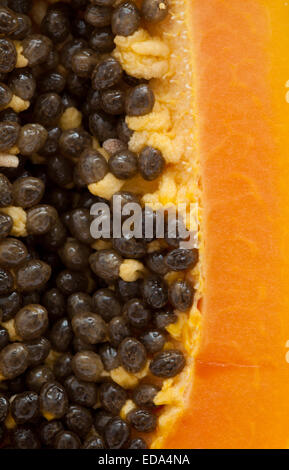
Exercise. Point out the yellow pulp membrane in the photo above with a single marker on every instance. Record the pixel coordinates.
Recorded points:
(163, 55)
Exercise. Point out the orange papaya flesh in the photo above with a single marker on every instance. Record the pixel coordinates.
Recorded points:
(239, 395)
(219, 71)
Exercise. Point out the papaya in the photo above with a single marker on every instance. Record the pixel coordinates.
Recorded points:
(233, 59)
(169, 103)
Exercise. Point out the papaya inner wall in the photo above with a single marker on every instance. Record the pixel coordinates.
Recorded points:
(240, 393)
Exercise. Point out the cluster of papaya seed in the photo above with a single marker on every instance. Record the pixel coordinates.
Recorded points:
(69, 314)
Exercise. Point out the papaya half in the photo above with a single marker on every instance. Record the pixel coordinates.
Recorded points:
(167, 103)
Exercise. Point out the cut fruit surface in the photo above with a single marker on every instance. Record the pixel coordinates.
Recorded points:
(118, 338)
(241, 381)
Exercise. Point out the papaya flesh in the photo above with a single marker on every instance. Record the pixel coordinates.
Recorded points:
(238, 395)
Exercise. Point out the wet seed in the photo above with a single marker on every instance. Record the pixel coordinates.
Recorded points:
(50, 146)
(31, 138)
(128, 290)
(53, 400)
(156, 263)
(123, 164)
(24, 438)
(79, 420)
(106, 264)
(139, 100)
(109, 356)
(116, 433)
(154, 10)
(10, 304)
(168, 363)
(77, 303)
(48, 109)
(71, 281)
(112, 397)
(13, 360)
(54, 239)
(106, 74)
(69, 49)
(38, 376)
(8, 55)
(6, 282)
(87, 366)
(155, 291)
(52, 82)
(130, 247)
(80, 392)
(9, 132)
(144, 394)
(106, 304)
(153, 341)
(103, 3)
(79, 226)
(61, 335)
(74, 254)
(98, 16)
(83, 62)
(5, 98)
(94, 443)
(151, 163)
(77, 86)
(125, 19)
(36, 49)
(20, 6)
(25, 407)
(181, 259)
(137, 314)
(27, 191)
(22, 83)
(90, 327)
(118, 330)
(12, 252)
(123, 131)
(101, 40)
(92, 166)
(6, 224)
(54, 301)
(102, 126)
(60, 170)
(48, 432)
(181, 295)
(101, 418)
(31, 322)
(164, 318)
(137, 443)
(40, 219)
(23, 27)
(142, 420)
(38, 350)
(132, 355)
(112, 146)
(73, 142)
(112, 101)
(62, 367)
(55, 25)
(8, 21)
(81, 29)
(67, 440)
